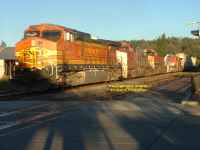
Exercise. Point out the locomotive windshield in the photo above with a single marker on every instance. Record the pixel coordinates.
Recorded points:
(51, 35)
(31, 34)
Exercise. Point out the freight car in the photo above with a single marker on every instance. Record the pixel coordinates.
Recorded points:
(70, 57)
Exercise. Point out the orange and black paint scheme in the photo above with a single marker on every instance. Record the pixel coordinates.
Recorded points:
(72, 57)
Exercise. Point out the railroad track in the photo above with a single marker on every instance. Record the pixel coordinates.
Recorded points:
(177, 90)
(151, 79)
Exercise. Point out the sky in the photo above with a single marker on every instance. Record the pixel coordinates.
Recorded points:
(108, 19)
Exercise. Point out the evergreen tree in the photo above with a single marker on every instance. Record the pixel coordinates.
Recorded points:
(164, 45)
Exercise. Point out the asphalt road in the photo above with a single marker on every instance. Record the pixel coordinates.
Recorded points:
(93, 119)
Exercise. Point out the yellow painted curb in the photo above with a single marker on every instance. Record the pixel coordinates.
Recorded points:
(128, 88)
(190, 103)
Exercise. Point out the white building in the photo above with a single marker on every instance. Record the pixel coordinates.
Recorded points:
(7, 62)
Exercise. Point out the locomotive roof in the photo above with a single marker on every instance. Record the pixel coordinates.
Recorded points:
(47, 26)
(109, 42)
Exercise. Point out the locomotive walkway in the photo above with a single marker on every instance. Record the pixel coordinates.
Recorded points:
(92, 118)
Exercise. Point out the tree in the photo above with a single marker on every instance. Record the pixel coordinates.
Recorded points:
(164, 45)
(2, 44)
(161, 45)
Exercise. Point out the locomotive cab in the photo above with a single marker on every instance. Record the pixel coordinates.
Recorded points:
(38, 50)
(51, 35)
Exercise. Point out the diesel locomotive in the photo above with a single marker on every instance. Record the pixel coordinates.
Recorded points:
(72, 57)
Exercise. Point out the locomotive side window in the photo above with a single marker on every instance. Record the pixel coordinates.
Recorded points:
(69, 36)
(51, 35)
(31, 34)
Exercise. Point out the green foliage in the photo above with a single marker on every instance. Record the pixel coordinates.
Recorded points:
(164, 45)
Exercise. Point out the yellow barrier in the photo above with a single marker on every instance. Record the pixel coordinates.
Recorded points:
(128, 88)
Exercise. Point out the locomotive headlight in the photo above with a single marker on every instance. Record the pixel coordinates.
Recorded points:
(17, 63)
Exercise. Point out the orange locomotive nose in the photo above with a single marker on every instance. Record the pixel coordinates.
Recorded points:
(23, 53)
(36, 53)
